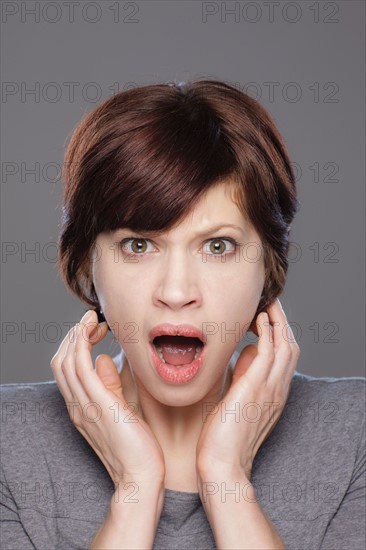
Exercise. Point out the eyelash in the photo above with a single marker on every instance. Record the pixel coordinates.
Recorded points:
(235, 243)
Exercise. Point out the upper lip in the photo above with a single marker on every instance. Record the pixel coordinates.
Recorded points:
(177, 330)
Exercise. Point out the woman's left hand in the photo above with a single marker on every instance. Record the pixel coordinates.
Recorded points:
(243, 419)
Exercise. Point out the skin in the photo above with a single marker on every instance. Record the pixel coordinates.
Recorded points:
(170, 282)
(176, 440)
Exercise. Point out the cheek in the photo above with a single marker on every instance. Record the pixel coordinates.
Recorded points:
(241, 305)
(240, 294)
(122, 304)
(120, 293)
(122, 298)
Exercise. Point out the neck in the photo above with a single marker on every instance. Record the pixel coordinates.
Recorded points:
(175, 428)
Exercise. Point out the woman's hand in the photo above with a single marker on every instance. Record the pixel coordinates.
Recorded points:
(122, 440)
(232, 434)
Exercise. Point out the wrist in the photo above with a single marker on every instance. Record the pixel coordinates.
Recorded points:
(132, 518)
(223, 472)
(222, 486)
(137, 509)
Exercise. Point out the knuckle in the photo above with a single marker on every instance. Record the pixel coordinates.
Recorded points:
(79, 370)
(278, 396)
(65, 365)
(297, 349)
(77, 421)
(63, 368)
(285, 352)
(75, 414)
(281, 393)
(269, 353)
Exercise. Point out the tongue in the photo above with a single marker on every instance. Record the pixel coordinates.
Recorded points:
(178, 350)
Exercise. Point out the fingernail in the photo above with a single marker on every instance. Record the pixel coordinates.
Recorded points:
(87, 316)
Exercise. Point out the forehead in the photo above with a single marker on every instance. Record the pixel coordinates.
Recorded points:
(221, 207)
(217, 210)
(220, 204)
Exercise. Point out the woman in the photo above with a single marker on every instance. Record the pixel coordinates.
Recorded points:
(177, 209)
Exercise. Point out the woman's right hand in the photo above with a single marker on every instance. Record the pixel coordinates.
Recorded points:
(96, 405)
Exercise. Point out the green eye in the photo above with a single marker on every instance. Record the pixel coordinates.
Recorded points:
(134, 245)
(138, 245)
(217, 246)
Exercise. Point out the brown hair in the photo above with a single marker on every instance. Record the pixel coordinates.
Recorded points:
(144, 157)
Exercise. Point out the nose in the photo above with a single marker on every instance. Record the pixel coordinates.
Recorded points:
(178, 284)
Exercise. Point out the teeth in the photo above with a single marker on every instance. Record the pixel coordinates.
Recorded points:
(160, 353)
(198, 351)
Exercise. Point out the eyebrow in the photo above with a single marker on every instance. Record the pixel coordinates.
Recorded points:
(202, 233)
(216, 228)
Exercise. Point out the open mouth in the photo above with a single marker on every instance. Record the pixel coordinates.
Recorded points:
(178, 350)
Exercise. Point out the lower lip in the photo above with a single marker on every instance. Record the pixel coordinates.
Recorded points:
(177, 375)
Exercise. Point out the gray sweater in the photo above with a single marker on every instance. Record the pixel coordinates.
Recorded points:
(309, 475)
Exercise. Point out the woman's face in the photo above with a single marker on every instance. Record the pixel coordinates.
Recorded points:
(192, 274)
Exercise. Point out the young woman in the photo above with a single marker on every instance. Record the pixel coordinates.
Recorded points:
(178, 205)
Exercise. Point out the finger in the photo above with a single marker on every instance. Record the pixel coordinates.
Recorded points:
(244, 360)
(266, 353)
(108, 373)
(89, 334)
(59, 355)
(292, 340)
(79, 396)
(295, 355)
(277, 320)
(56, 365)
(84, 369)
(282, 349)
(57, 359)
(285, 345)
(283, 335)
(256, 373)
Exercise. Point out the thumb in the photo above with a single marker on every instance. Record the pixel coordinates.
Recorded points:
(107, 372)
(244, 361)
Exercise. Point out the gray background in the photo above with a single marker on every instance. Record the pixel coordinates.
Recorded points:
(303, 60)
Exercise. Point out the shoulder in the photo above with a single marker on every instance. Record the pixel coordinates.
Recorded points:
(42, 392)
(346, 393)
(30, 390)
(310, 471)
(19, 401)
(320, 434)
(30, 412)
(53, 483)
(344, 387)
(37, 428)
(322, 415)
(327, 412)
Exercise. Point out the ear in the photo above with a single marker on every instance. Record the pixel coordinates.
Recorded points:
(101, 318)
(253, 327)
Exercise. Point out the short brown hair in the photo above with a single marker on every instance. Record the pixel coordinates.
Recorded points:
(144, 157)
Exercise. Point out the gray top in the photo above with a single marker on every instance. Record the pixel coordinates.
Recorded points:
(309, 474)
